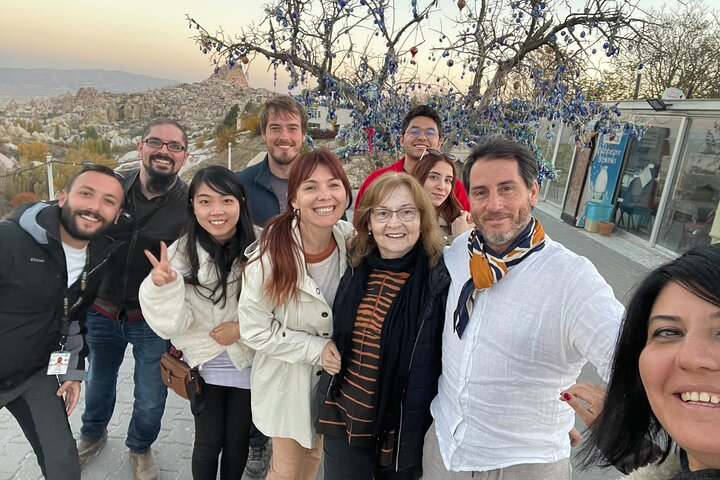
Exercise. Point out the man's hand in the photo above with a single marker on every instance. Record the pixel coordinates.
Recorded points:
(226, 333)
(586, 399)
(330, 358)
(462, 223)
(161, 273)
(71, 390)
(575, 437)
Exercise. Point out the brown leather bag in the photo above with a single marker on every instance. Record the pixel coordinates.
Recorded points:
(179, 377)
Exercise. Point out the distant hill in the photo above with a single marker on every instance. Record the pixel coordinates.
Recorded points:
(48, 82)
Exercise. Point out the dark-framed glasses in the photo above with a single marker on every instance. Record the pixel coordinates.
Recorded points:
(383, 215)
(415, 132)
(153, 142)
(437, 153)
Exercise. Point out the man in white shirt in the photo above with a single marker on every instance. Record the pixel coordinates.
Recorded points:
(523, 317)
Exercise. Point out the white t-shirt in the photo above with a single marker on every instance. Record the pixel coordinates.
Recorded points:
(528, 337)
(74, 261)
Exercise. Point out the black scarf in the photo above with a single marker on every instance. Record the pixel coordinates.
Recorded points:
(399, 327)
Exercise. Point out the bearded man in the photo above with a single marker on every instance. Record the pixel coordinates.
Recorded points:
(155, 210)
(523, 316)
(51, 259)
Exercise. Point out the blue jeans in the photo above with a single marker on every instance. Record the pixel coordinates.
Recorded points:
(107, 340)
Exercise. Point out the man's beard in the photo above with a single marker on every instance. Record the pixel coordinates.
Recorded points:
(160, 182)
(517, 226)
(68, 218)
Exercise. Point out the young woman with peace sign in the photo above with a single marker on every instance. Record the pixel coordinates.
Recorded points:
(191, 297)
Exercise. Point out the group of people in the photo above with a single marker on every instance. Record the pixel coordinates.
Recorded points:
(438, 336)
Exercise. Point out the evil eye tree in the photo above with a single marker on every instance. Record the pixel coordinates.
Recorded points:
(488, 66)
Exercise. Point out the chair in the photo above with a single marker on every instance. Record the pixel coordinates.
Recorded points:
(637, 202)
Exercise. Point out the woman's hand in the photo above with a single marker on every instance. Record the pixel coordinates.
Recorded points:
(462, 223)
(330, 358)
(226, 333)
(161, 273)
(586, 399)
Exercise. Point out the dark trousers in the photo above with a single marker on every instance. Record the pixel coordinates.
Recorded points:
(41, 415)
(222, 427)
(343, 462)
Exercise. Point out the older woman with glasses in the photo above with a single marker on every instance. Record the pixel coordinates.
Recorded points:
(388, 317)
(435, 170)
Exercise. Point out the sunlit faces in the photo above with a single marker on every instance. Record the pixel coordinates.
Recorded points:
(415, 145)
(217, 213)
(500, 201)
(283, 136)
(680, 370)
(160, 164)
(439, 182)
(396, 236)
(321, 199)
(92, 204)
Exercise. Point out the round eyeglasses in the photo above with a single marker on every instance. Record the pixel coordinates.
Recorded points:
(415, 132)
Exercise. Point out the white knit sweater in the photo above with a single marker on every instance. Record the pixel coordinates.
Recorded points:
(179, 313)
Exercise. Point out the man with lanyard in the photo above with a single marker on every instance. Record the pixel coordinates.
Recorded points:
(283, 123)
(51, 258)
(155, 210)
(421, 130)
(524, 315)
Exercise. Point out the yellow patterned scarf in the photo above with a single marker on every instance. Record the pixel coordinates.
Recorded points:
(487, 267)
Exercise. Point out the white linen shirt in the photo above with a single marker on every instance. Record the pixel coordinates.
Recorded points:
(528, 337)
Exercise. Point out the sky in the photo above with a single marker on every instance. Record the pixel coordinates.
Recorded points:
(148, 37)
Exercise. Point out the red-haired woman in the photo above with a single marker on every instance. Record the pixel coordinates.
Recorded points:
(285, 309)
(436, 173)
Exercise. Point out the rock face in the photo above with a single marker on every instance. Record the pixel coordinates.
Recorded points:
(198, 105)
(230, 76)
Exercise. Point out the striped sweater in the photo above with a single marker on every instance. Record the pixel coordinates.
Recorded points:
(352, 413)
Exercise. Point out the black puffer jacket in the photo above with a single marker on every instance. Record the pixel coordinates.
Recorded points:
(425, 368)
(33, 284)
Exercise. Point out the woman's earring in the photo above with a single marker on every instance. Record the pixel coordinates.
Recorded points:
(296, 212)
(369, 233)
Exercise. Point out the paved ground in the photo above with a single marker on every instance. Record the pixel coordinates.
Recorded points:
(621, 261)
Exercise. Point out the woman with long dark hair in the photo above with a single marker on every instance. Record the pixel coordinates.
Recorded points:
(436, 173)
(665, 383)
(388, 317)
(190, 298)
(285, 309)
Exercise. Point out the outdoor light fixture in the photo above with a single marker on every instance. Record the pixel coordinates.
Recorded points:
(658, 104)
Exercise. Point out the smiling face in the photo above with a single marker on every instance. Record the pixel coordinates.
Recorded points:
(161, 165)
(395, 237)
(91, 205)
(321, 199)
(439, 182)
(283, 137)
(217, 213)
(680, 370)
(500, 201)
(415, 144)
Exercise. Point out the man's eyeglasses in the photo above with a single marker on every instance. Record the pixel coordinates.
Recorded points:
(157, 143)
(415, 132)
(383, 215)
(437, 153)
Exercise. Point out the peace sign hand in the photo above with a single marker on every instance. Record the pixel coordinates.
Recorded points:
(162, 273)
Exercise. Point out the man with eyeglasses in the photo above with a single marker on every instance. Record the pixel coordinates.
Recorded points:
(421, 129)
(155, 210)
(51, 259)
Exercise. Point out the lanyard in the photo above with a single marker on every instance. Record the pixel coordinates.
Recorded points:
(69, 310)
